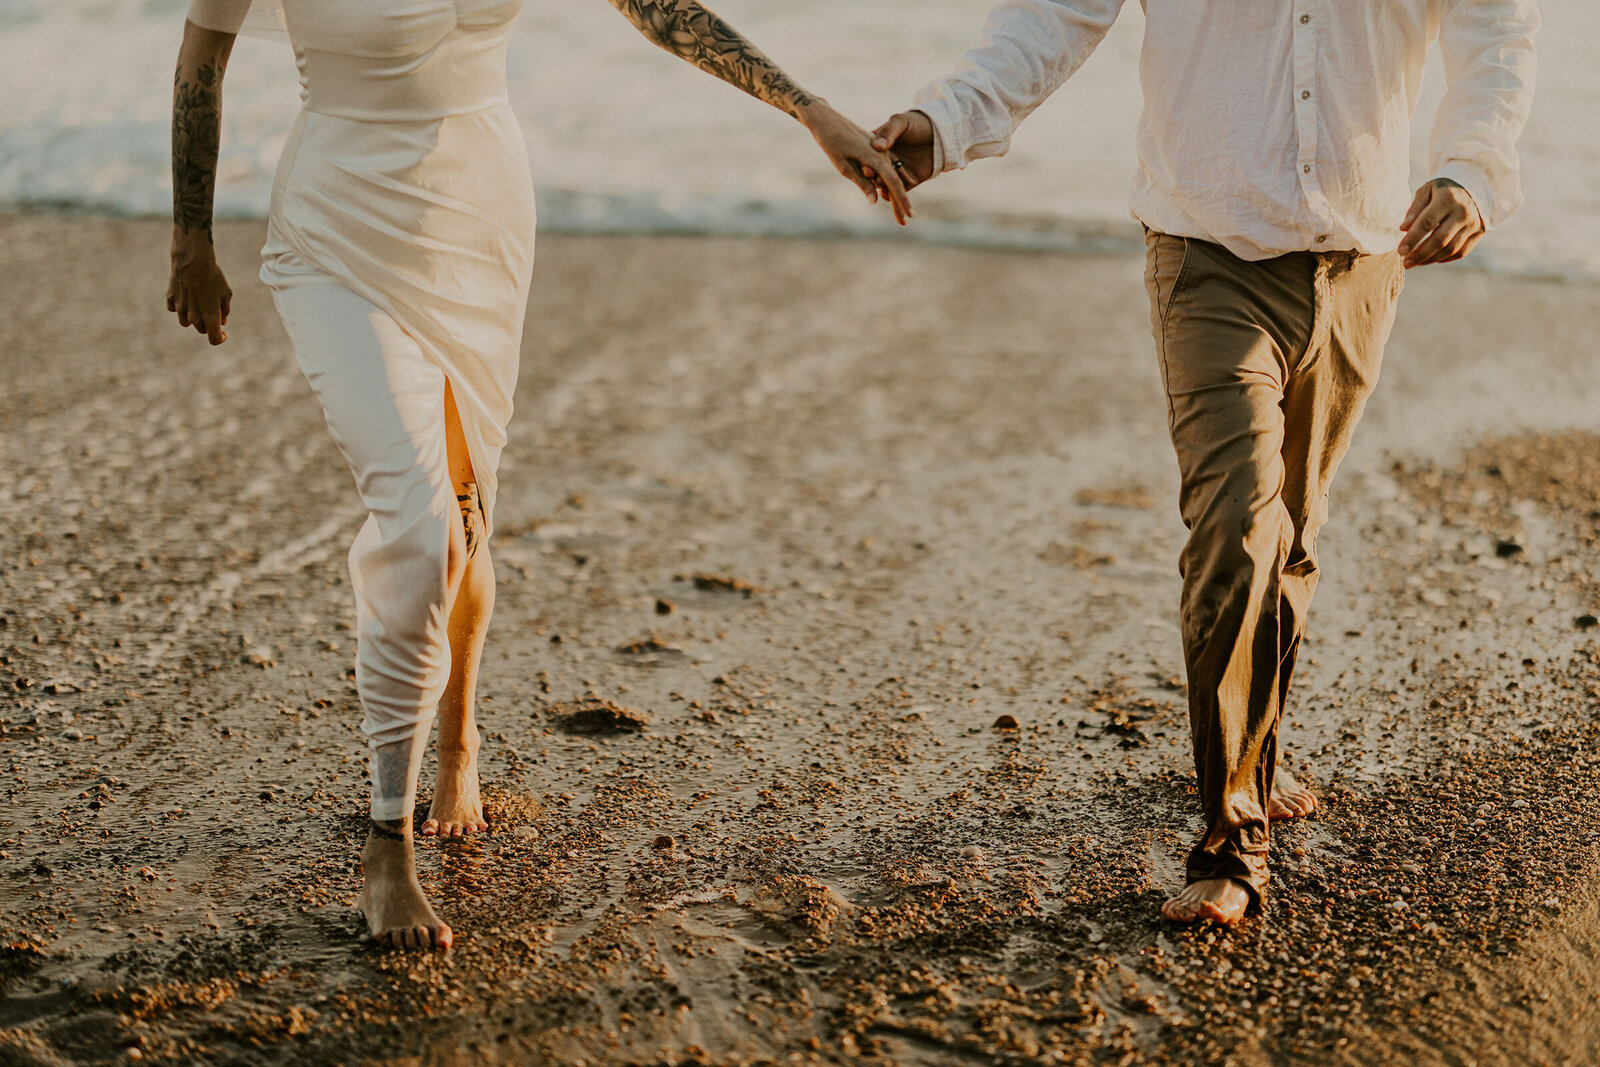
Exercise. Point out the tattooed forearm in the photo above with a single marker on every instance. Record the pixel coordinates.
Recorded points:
(196, 139)
(688, 30)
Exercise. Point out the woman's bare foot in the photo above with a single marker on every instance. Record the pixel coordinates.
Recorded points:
(1218, 900)
(1289, 798)
(397, 912)
(456, 809)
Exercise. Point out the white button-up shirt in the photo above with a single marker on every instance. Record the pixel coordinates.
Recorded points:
(1269, 126)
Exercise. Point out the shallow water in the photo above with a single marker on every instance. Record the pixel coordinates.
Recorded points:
(627, 139)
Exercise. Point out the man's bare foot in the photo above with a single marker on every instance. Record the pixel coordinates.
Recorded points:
(456, 809)
(1289, 798)
(1218, 900)
(397, 912)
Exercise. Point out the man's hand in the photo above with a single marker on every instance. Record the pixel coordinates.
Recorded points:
(852, 154)
(1442, 225)
(197, 292)
(909, 137)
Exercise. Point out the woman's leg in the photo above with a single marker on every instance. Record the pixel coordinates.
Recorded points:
(457, 808)
(382, 400)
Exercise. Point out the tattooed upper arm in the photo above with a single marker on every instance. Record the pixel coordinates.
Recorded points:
(197, 128)
(688, 30)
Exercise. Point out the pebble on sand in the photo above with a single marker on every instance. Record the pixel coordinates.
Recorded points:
(1006, 722)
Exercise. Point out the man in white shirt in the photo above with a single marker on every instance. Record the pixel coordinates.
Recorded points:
(1273, 187)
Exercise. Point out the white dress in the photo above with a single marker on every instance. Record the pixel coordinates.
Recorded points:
(399, 252)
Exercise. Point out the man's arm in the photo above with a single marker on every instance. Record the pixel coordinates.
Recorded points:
(1027, 49)
(1489, 66)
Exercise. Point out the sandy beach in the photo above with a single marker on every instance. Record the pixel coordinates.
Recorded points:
(787, 531)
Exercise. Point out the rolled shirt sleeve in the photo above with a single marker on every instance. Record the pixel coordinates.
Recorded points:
(1027, 49)
(1489, 68)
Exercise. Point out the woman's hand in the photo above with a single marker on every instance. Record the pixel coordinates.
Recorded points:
(850, 150)
(197, 291)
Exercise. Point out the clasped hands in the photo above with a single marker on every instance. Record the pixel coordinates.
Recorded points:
(885, 164)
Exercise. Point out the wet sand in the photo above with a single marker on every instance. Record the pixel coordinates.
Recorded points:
(817, 516)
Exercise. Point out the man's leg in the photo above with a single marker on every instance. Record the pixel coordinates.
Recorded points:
(1325, 395)
(1229, 334)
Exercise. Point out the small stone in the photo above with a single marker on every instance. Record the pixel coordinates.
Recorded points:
(525, 833)
(1586, 622)
(1006, 722)
(1507, 549)
(73, 734)
(665, 607)
(972, 852)
(260, 656)
(663, 843)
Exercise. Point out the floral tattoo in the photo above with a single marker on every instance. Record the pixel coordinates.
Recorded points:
(688, 30)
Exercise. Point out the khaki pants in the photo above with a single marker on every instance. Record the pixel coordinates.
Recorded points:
(1267, 366)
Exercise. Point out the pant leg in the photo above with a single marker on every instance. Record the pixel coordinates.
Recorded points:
(1323, 400)
(1228, 333)
(384, 405)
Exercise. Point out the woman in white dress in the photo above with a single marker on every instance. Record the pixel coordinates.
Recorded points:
(399, 253)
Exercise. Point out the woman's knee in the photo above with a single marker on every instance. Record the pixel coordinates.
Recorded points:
(404, 576)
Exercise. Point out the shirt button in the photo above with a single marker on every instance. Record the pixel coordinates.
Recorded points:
(1323, 238)
(1305, 94)
(1304, 19)
(1306, 169)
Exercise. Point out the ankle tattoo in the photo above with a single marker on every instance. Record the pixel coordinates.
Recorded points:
(390, 829)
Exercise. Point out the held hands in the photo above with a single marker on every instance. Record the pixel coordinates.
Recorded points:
(197, 291)
(853, 155)
(909, 135)
(1442, 225)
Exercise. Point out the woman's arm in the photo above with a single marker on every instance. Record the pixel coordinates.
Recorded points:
(197, 292)
(686, 29)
